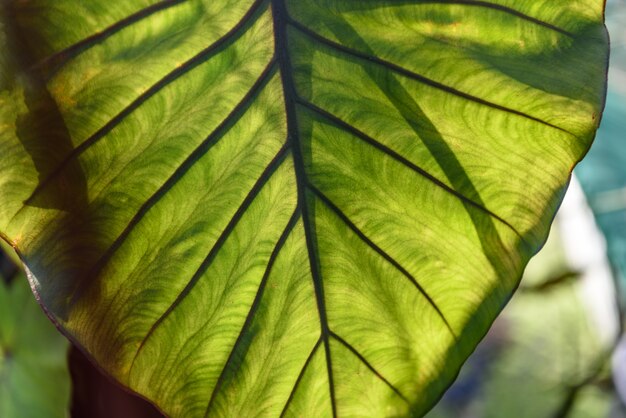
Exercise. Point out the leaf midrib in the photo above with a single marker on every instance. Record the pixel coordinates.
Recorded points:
(280, 18)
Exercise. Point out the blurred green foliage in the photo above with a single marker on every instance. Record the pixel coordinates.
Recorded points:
(34, 379)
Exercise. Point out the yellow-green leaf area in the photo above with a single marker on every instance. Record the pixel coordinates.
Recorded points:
(288, 208)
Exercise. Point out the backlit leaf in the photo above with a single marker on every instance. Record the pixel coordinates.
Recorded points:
(298, 208)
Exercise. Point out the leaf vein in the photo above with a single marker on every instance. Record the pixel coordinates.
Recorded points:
(237, 112)
(414, 76)
(404, 161)
(369, 366)
(504, 9)
(208, 260)
(280, 18)
(228, 38)
(300, 376)
(344, 218)
(49, 64)
(255, 304)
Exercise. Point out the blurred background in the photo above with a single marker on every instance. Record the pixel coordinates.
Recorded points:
(556, 351)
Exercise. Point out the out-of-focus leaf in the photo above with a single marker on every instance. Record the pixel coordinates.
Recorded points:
(306, 208)
(552, 347)
(596, 400)
(34, 380)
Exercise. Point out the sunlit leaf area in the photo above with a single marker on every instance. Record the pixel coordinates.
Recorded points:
(312, 208)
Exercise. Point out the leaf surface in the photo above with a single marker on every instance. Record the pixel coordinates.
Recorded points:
(289, 208)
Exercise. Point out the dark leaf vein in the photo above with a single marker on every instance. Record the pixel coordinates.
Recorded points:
(412, 75)
(391, 153)
(300, 376)
(344, 218)
(208, 260)
(230, 37)
(183, 168)
(255, 304)
(504, 9)
(280, 16)
(369, 366)
(52, 62)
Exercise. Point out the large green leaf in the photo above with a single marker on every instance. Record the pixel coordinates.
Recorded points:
(307, 208)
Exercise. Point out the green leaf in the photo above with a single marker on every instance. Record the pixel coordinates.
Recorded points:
(316, 208)
(34, 379)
